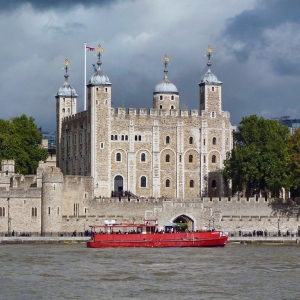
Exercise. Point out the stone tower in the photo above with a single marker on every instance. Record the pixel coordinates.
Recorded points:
(165, 94)
(99, 112)
(66, 99)
(52, 196)
(215, 132)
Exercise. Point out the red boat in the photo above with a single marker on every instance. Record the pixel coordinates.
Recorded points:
(147, 235)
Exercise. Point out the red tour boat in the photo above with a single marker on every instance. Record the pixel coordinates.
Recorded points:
(147, 235)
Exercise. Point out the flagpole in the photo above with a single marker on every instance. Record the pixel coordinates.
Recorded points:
(84, 76)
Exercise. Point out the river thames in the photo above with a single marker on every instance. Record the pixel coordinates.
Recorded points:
(59, 271)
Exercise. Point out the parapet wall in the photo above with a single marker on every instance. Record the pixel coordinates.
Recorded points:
(154, 112)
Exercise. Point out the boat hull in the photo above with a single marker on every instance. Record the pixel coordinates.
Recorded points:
(193, 239)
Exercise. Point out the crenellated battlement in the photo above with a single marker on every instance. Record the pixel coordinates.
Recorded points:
(74, 117)
(154, 112)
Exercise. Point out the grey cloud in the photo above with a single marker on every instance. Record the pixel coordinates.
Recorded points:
(248, 28)
(9, 5)
(65, 29)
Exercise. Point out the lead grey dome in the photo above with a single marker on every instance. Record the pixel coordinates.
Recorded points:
(99, 77)
(166, 87)
(66, 89)
(209, 77)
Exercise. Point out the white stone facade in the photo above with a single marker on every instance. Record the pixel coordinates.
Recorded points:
(159, 152)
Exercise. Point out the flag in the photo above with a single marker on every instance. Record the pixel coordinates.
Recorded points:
(87, 48)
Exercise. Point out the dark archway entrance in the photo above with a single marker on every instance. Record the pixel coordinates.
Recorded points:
(118, 186)
(184, 222)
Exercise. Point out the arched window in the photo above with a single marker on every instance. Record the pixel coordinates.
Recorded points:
(143, 157)
(160, 97)
(126, 137)
(214, 184)
(140, 137)
(191, 140)
(118, 156)
(143, 181)
(172, 106)
(167, 158)
(167, 183)
(122, 138)
(172, 97)
(116, 137)
(191, 183)
(214, 141)
(190, 158)
(213, 159)
(167, 140)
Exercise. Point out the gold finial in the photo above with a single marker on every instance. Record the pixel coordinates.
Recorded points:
(100, 49)
(166, 58)
(210, 49)
(67, 65)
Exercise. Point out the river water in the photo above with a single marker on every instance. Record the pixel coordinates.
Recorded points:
(57, 271)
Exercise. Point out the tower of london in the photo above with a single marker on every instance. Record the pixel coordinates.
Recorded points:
(161, 152)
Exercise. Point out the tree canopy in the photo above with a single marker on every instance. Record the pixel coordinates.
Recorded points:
(20, 140)
(258, 160)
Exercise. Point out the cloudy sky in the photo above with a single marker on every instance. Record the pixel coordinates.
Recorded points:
(256, 43)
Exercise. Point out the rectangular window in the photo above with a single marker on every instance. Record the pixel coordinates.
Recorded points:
(49, 209)
(101, 145)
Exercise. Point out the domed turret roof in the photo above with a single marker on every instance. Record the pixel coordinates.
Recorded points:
(166, 86)
(66, 89)
(99, 77)
(209, 77)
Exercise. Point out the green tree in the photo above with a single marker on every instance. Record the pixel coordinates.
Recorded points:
(20, 140)
(258, 159)
(293, 146)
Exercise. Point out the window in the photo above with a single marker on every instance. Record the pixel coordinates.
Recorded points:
(160, 97)
(101, 146)
(204, 142)
(33, 211)
(190, 158)
(143, 157)
(214, 184)
(116, 137)
(191, 183)
(2, 211)
(213, 115)
(172, 106)
(126, 137)
(140, 137)
(167, 158)
(214, 141)
(167, 183)
(49, 210)
(179, 158)
(122, 138)
(172, 97)
(167, 140)
(204, 159)
(143, 181)
(118, 156)
(212, 89)
(106, 90)
(213, 159)
(191, 140)
(160, 106)
(58, 210)
(112, 137)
